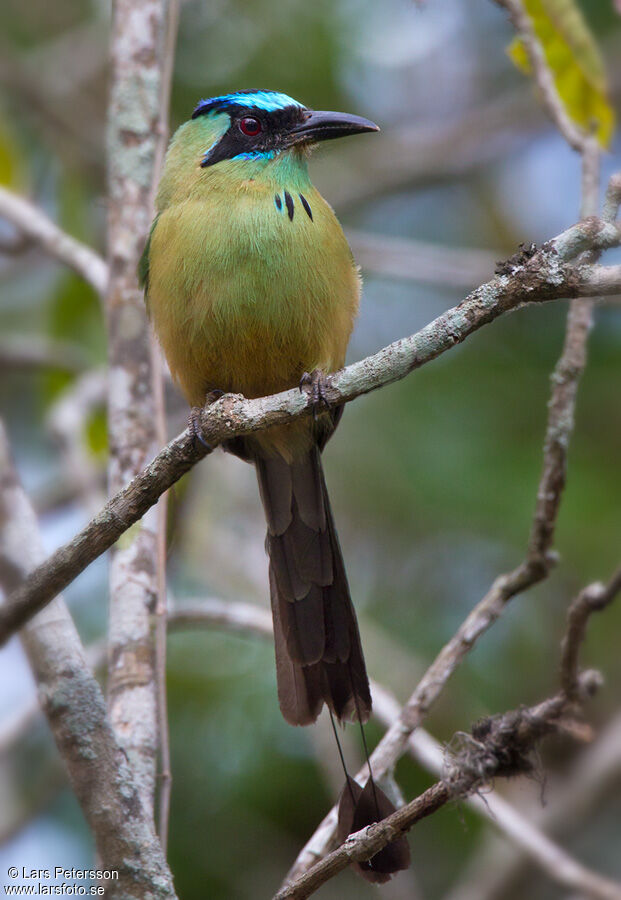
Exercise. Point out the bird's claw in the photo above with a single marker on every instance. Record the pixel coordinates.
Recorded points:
(315, 384)
(194, 425)
(194, 419)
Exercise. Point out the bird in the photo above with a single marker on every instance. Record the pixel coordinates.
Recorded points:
(252, 288)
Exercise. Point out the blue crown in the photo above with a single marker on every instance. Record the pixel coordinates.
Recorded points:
(268, 101)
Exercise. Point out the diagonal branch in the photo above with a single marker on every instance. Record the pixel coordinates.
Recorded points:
(560, 866)
(544, 277)
(525, 835)
(34, 224)
(552, 103)
(500, 746)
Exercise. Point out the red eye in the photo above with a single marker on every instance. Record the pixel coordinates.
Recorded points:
(250, 126)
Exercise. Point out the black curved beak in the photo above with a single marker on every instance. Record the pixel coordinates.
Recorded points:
(323, 126)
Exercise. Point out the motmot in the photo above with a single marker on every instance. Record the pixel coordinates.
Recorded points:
(252, 288)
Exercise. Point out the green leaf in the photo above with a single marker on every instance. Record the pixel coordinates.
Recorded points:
(575, 62)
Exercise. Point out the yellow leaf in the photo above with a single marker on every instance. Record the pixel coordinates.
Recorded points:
(575, 62)
(11, 171)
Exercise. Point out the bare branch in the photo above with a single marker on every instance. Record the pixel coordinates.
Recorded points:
(241, 618)
(538, 561)
(552, 859)
(362, 845)
(66, 421)
(491, 873)
(394, 742)
(566, 376)
(593, 598)
(419, 261)
(33, 223)
(559, 865)
(542, 278)
(32, 351)
(513, 730)
(161, 605)
(498, 747)
(75, 708)
(135, 136)
(552, 103)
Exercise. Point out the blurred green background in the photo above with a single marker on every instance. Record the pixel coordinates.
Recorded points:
(433, 479)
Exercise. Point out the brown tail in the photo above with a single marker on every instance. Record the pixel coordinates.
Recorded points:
(318, 654)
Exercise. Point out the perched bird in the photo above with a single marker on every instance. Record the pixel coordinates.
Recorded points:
(252, 288)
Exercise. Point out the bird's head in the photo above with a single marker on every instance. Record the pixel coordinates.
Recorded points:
(261, 125)
(247, 137)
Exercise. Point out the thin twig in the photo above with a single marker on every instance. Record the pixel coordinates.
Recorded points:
(34, 352)
(32, 222)
(544, 277)
(593, 598)
(161, 610)
(585, 787)
(552, 103)
(66, 420)
(420, 261)
(566, 379)
(161, 624)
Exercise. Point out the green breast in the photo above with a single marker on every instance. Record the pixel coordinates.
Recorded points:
(251, 283)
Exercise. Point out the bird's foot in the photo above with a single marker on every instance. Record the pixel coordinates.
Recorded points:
(214, 395)
(315, 383)
(194, 419)
(194, 426)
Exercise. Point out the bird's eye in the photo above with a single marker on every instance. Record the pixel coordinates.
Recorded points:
(250, 126)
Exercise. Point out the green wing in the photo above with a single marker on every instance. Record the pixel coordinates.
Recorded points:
(143, 265)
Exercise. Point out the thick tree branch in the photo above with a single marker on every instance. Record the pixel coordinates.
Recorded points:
(32, 222)
(545, 276)
(135, 135)
(100, 775)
